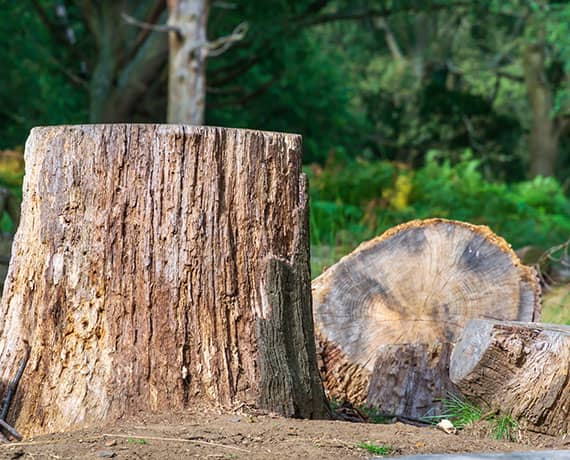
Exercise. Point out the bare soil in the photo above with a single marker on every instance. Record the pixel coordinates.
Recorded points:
(247, 435)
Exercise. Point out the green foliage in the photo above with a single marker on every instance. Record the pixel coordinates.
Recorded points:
(505, 428)
(354, 200)
(457, 410)
(462, 413)
(374, 448)
(140, 441)
(299, 84)
(33, 89)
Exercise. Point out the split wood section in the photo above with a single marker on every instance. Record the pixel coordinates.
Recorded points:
(388, 314)
(519, 369)
(155, 266)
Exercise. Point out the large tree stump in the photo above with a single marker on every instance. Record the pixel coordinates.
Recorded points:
(156, 266)
(393, 308)
(520, 369)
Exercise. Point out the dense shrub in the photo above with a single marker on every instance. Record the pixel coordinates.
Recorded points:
(355, 200)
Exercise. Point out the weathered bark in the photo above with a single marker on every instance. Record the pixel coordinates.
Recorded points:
(401, 299)
(544, 133)
(187, 63)
(521, 369)
(155, 266)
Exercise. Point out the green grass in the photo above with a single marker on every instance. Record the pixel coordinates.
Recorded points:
(375, 448)
(556, 305)
(505, 428)
(459, 411)
(137, 441)
(462, 413)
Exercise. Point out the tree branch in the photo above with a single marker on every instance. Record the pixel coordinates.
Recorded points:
(242, 101)
(151, 27)
(381, 23)
(510, 76)
(152, 18)
(222, 44)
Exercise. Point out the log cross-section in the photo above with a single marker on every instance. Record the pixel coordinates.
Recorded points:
(520, 369)
(156, 266)
(393, 309)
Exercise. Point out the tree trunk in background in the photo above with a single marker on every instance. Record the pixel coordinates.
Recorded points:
(388, 314)
(544, 134)
(520, 369)
(187, 62)
(128, 59)
(156, 266)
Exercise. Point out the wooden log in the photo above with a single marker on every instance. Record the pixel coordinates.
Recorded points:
(520, 369)
(400, 300)
(156, 266)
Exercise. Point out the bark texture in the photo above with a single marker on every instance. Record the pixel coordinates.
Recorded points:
(398, 302)
(155, 266)
(520, 369)
(187, 62)
(410, 379)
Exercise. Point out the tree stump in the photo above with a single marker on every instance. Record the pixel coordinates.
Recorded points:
(393, 309)
(156, 266)
(520, 369)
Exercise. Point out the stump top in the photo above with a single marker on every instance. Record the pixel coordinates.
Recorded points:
(420, 282)
(165, 127)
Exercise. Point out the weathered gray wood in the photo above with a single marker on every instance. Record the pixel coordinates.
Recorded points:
(417, 284)
(418, 377)
(520, 369)
(156, 266)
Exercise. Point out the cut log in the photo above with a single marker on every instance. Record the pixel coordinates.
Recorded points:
(391, 309)
(520, 369)
(155, 267)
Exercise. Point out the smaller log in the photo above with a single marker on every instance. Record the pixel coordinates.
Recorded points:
(521, 369)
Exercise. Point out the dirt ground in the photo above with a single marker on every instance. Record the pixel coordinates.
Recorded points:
(243, 435)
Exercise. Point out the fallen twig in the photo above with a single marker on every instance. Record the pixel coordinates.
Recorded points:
(158, 438)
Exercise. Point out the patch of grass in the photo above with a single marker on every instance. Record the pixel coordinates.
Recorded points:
(556, 305)
(459, 411)
(137, 441)
(374, 448)
(505, 428)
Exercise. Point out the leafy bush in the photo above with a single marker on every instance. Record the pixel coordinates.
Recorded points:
(355, 200)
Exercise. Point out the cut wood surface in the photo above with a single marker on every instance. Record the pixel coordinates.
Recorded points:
(417, 284)
(521, 369)
(156, 266)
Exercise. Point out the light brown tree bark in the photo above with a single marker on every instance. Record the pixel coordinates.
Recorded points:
(388, 314)
(156, 266)
(187, 62)
(520, 369)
